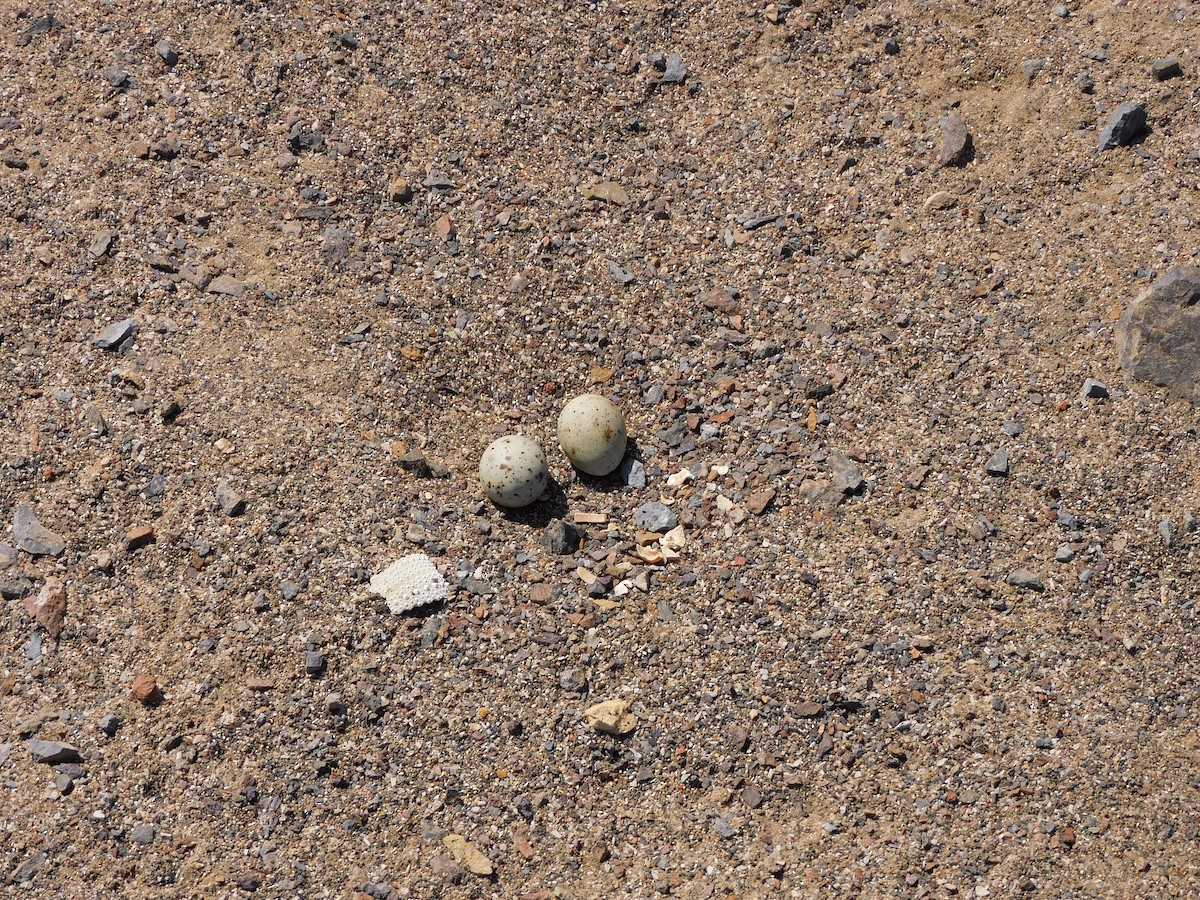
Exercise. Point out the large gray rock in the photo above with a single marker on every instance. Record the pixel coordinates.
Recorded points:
(1125, 123)
(1158, 336)
(847, 476)
(52, 752)
(116, 334)
(31, 536)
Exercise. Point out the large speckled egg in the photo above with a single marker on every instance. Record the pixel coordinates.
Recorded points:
(591, 431)
(513, 471)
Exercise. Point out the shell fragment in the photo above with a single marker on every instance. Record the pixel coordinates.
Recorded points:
(410, 582)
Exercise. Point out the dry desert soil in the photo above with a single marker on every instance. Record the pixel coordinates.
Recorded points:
(885, 601)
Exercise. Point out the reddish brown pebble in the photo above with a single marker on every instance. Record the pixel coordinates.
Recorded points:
(758, 502)
(139, 537)
(145, 690)
(259, 684)
(49, 607)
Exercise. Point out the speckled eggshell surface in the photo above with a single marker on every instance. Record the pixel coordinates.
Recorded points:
(591, 431)
(513, 471)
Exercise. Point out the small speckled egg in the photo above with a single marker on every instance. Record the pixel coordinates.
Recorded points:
(591, 431)
(513, 471)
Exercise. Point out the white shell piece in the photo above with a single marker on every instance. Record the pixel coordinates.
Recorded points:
(410, 582)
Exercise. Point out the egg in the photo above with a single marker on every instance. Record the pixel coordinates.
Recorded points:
(513, 471)
(591, 431)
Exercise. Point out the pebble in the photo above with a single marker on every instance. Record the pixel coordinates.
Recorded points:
(31, 536)
(232, 503)
(1093, 389)
(248, 883)
(145, 690)
(468, 854)
(939, 200)
(655, 516)
(1165, 68)
(1166, 530)
(620, 274)
(1031, 67)
(314, 662)
(957, 145)
(1024, 579)
(166, 53)
(227, 286)
(33, 647)
(845, 473)
(109, 724)
(560, 537)
(116, 77)
(1124, 124)
(114, 337)
(997, 466)
(611, 717)
(101, 243)
(675, 72)
(49, 607)
(574, 680)
(399, 191)
(1064, 553)
(138, 537)
(758, 502)
(1157, 332)
(632, 473)
(52, 752)
(29, 869)
(891, 46)
(95, 420)
(8, 555)
(143, 834)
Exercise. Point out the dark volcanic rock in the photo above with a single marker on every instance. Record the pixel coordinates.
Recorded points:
(1158, 336)
(1123, 125)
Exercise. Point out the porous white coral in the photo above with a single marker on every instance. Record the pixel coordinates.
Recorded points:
(410, 582)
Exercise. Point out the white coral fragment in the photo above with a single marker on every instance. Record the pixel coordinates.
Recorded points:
(410, 582)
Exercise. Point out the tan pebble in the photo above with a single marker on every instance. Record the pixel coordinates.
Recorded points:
(611, 717)
(467, 854)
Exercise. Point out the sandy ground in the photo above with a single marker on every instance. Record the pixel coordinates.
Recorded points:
(928, 625)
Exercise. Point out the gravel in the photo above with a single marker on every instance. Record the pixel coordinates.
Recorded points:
(362, 241)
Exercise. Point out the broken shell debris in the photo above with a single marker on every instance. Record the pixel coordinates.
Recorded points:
(409, 583)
